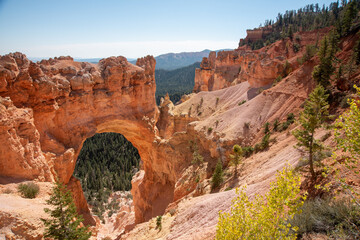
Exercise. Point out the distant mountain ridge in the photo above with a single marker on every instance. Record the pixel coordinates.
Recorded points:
(171, 61)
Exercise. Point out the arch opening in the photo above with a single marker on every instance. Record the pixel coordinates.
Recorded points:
(105, 166)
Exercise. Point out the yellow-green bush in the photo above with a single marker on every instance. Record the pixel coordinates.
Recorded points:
(266, 217)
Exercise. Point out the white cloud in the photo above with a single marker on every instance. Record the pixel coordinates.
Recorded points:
(128, 49)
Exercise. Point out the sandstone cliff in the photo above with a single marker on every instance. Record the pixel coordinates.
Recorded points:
(258, 67)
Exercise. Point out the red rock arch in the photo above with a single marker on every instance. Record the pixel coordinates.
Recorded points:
(49, 108)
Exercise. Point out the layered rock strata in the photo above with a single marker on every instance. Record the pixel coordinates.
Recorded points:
(258, 67)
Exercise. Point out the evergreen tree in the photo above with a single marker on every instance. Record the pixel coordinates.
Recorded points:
(325, 69)
(64, 222)
(217, 177)
(236, 156)
(349, 16)
(314, 114)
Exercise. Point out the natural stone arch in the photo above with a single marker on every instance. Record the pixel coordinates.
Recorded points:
(67, 102)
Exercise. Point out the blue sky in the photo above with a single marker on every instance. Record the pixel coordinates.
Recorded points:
(48, 28)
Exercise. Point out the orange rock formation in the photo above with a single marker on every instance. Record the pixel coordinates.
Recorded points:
(258, 67)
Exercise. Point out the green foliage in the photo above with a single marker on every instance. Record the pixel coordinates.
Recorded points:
(158, 222)
(266, 128)
(28, 190)
(309, 53)
(236, 156)
(247, 151)
(357, 51)
(210, 130)
(175, 82)
(217, 177)
(106, 163)
(276, 125)
(290, 119)
(265, 142)
(266, 217)
(314, 114)
(64, 222)
(296, 47)
(242, 102)
(326, 54)
(197, 157)
(339, 219)
(309, 18)
(277, 80)
(349, 16)
(347, 136)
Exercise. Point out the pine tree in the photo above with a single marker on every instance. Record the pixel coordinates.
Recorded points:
(314, 114)
(236, 156)
(350, 14)
(325, 69)
(217, 177)
(64, 222)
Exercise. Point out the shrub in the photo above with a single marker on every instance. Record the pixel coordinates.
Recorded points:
(242, 102)
(345, 102)
(257, 148)
(286, 69)
(217, 177)
(329, 216)
(277, 80)
(197, 157)
(247, 151)
(247, 125)
(276, 125)
(296, 47)
(260, 90)
(28, 190)
(158, 222)
(266, 128)
(266, 217)
(210, 129)
(290, 118)
(265, 141)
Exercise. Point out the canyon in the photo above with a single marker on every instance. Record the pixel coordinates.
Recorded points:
(49, 108)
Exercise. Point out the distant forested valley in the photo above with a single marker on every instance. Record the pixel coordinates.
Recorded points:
(175, 82)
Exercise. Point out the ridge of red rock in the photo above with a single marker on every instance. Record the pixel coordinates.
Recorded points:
(258, 67)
